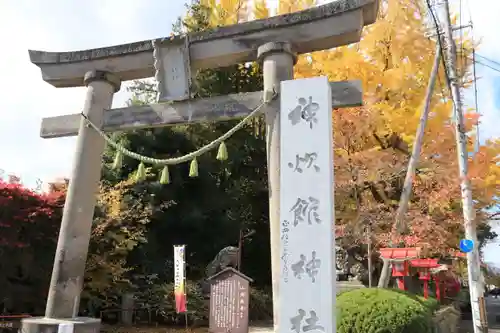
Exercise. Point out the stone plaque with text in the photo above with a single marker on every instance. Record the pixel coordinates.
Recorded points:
(229, 300)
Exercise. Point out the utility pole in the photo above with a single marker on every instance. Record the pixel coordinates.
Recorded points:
(399, 221)
(404, 200)
(369, 244)
(473, 262)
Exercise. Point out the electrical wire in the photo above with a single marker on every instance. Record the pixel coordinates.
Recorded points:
(476, 146)
(463, 58)
(485, 65)
(438, 33)
(474, 75)
(488, 59)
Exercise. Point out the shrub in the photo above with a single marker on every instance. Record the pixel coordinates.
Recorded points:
(159, 297)
(261, 305)
(431, 303)
(382, 311)
(196, 306)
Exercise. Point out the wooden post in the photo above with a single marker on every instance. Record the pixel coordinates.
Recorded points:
(369, 244)
(277, 64)
(426, 289)
(127, 313)
(437, 282)
(240, 246)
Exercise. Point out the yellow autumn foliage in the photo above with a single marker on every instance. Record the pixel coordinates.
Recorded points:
(393, 60)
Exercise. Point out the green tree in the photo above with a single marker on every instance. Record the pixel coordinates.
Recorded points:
(207, 212)
(120, 223)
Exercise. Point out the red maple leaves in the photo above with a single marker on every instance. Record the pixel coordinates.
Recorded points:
(26, 215)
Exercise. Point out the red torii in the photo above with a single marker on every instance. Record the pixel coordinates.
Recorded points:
(424, 273)
(399, 258)
(403, 258)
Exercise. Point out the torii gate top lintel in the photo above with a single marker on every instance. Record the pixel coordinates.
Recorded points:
(322, 27)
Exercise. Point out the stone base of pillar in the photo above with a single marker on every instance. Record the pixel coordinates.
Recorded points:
(50, 325)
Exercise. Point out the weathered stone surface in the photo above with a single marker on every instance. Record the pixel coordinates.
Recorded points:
(323, 27)
(344, 93)
(447, 320)
(51, 325)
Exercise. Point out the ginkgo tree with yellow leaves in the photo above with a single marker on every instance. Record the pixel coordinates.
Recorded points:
(393, 60)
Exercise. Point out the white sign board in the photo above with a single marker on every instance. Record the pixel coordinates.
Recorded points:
(171, 61)
(307, 279)
(66, 328)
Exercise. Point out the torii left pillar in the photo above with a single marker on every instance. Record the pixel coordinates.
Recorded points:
(69, 262)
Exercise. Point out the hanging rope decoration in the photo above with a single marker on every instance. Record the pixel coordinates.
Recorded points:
(140, 175)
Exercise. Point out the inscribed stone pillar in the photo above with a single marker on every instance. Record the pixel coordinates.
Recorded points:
(307, 256)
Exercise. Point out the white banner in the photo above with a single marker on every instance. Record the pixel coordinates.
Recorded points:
(179, 278)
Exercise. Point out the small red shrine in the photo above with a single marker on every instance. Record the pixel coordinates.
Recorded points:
(404, 259)
(424, 273)
(399, 258)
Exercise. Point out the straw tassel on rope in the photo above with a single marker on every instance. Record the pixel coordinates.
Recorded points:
(193, 168)
(118, 161)
(141, 173)
(165, 176)
(222, 152)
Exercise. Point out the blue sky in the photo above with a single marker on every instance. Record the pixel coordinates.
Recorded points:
(59, 25)
(62, 25)
(496, 89)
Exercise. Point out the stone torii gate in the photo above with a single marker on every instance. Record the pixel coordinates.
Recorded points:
(274, 42)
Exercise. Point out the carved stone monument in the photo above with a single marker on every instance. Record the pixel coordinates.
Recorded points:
(307, 288)
(229, 301)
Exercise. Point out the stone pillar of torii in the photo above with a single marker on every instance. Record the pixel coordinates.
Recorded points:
(274, 42)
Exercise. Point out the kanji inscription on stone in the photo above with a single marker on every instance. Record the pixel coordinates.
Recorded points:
(307, 281)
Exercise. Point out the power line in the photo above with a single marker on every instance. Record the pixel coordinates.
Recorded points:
(470, 12)
(476, 146)
(485, 65)
(463, 58)
(476, 104)
(438, 33)
(488, 59)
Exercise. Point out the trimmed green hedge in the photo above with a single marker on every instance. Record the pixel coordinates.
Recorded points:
(383, 311)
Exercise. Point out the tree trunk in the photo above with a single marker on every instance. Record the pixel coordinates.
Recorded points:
(385, 274)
